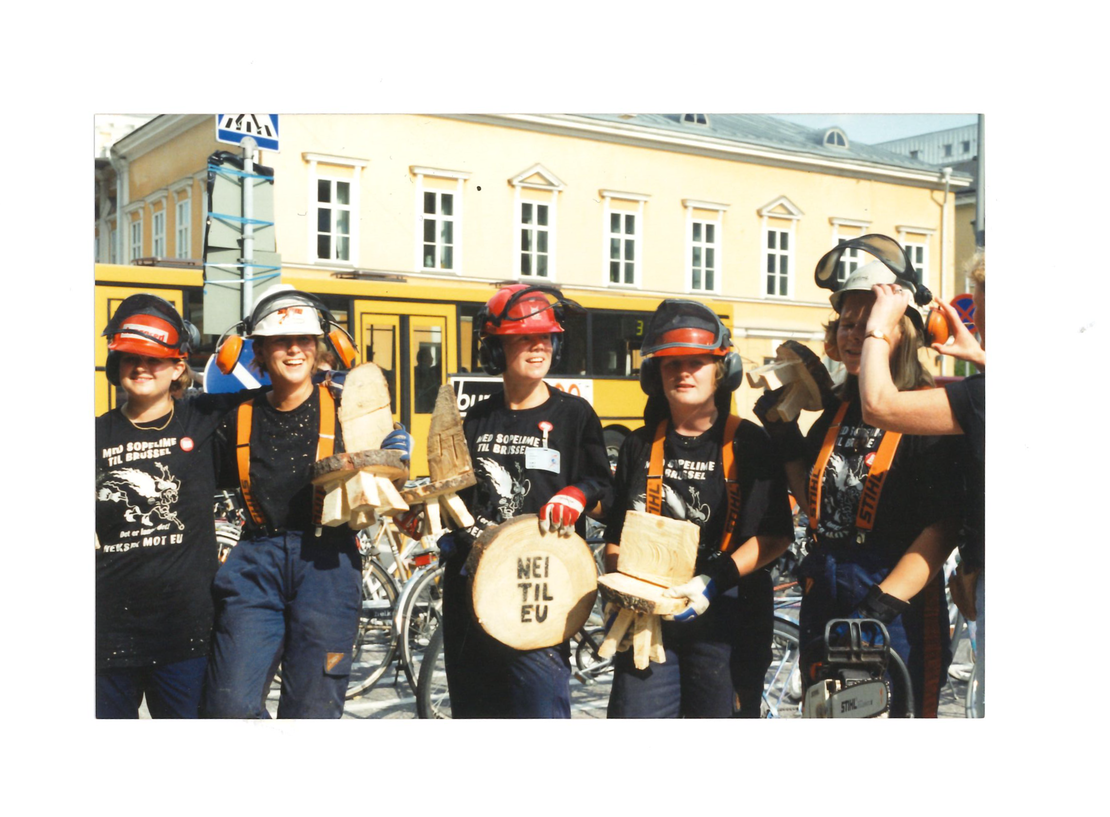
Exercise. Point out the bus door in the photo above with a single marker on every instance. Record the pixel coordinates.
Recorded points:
(412, 344)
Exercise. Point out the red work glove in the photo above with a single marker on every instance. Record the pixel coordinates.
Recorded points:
(562, 511)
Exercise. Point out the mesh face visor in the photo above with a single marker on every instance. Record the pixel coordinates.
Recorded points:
(683, 326)
(885, 249)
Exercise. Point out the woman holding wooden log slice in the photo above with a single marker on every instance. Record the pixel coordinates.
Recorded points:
(882, 506)
(693, 460)
(156, 543)
(289, 592)
(536, 450)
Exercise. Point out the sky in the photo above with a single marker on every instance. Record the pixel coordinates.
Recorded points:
(874, 128)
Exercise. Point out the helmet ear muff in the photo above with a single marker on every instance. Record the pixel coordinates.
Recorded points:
(936, 328)
(734, 371)
(343, 346)
(649, 380)
(111, 368)
(491, 355)
(228, 354)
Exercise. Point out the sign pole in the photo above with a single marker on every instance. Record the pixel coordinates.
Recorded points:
(248, 226)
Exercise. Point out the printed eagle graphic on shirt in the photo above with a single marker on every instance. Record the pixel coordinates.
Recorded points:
(692, 509)
(510, 491)
(145, 495)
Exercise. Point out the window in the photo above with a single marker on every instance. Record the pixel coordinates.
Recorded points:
(182, 221)
(158, 234)
(849, 262)
(333, 220)
(915, 240)
(965, 147)
(534, 226)
(136, 247)
(695, 118)
(834, 137)
(947, 150)
(622, 248)
(915, 154)
(439, 230)
(918, 258)
(703, 256)
(777, 263)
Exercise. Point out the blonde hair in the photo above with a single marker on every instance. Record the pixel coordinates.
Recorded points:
(178, 387)
(259, 365)
(906, 369)
(976, 267)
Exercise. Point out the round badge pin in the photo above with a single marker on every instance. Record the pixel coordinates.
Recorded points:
(186, 443)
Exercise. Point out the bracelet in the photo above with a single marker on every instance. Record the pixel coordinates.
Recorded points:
(875, 333)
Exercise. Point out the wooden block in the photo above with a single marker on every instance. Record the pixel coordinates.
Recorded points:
(336, 510)
(456, 509)
(641, 640)
(364, 411)
(774, 375)
(432, 524)
(362, 491)
(362, 518)
(796, 397)
(448, 455)
(390, 502)
(657, 653)
(530, 589)
(613, 638)
(657, 549)
(631, 593)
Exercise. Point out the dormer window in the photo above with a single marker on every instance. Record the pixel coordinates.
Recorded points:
(695, 118)
(836, 138)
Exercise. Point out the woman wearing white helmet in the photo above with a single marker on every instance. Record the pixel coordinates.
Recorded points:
(883, 507)
(289, 592)
(156, 543)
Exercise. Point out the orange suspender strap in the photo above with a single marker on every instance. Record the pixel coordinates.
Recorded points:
(325, 448)
(654, 499)
(732, 479)
(243, 458)
(816, 483)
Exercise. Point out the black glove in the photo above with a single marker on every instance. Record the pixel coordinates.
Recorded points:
(879, 605)
(786, 437)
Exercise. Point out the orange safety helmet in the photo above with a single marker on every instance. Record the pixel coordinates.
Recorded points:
(520, 309)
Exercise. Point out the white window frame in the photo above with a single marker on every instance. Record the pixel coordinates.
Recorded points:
(317, 174)
(527, 181)
(791, 216)
(637, 238)
(456, 217)
(859, 228)
(183, 227)
(535, 228)
(158, 233)
(718, 225)
(134, 246)
(914, 238)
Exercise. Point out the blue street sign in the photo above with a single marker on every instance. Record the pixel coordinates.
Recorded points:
(965, 308)
(232, 128)
(216, 382)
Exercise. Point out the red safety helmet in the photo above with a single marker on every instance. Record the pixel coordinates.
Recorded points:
(149, 326)
(520, 309)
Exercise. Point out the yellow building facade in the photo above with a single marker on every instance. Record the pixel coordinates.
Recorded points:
(615, 210)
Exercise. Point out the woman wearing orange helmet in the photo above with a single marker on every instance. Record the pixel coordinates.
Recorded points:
(719, 473)
(156, 542)
(535, 450)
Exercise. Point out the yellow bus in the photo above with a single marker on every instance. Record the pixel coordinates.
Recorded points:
(420, 332)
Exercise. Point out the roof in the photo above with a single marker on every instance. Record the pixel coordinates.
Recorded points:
(767, 131)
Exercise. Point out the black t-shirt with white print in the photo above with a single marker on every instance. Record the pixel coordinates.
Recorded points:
(154, 524)
(694, 485)
(518, 470)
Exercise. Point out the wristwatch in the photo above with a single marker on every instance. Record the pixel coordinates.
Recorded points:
(875, 333)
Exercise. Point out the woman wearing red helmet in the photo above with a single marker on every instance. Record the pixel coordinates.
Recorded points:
(719, 473)
(535, 450)
(156, 543)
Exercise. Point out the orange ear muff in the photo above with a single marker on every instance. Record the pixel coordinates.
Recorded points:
(343, 347)
(936, 328)
(228, 355)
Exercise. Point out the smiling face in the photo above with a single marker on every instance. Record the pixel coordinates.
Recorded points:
(852, 328)
(689, 381)
(527, 357)
(148, 378)
(289, 359)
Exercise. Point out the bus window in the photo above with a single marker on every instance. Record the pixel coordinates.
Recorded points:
(616, 347)
(468, 340)
(427, 373)
(572, 361)
(380, 348)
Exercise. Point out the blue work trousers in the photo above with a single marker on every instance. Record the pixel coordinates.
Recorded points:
(287, 600)
(713, 661)
(833, 587)
(487, 679)
(172, 690)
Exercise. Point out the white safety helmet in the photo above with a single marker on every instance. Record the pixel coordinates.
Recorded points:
(282, 310)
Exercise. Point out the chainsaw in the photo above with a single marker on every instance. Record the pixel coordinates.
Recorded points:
(850, 680)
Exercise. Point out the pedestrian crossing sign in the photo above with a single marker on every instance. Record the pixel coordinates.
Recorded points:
(233, 128)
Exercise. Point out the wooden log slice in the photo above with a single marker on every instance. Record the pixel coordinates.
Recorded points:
(814, 375)
(531, 589)
(415, 496)
(364, 411)
(386, 463)
(635, 594)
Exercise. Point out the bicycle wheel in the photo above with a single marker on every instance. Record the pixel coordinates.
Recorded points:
(376, 643)
(782, 685)
(589, 663)
(419, 619)
(433, 701)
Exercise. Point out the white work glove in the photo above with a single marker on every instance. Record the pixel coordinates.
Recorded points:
(699, 591)
(562, 511)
